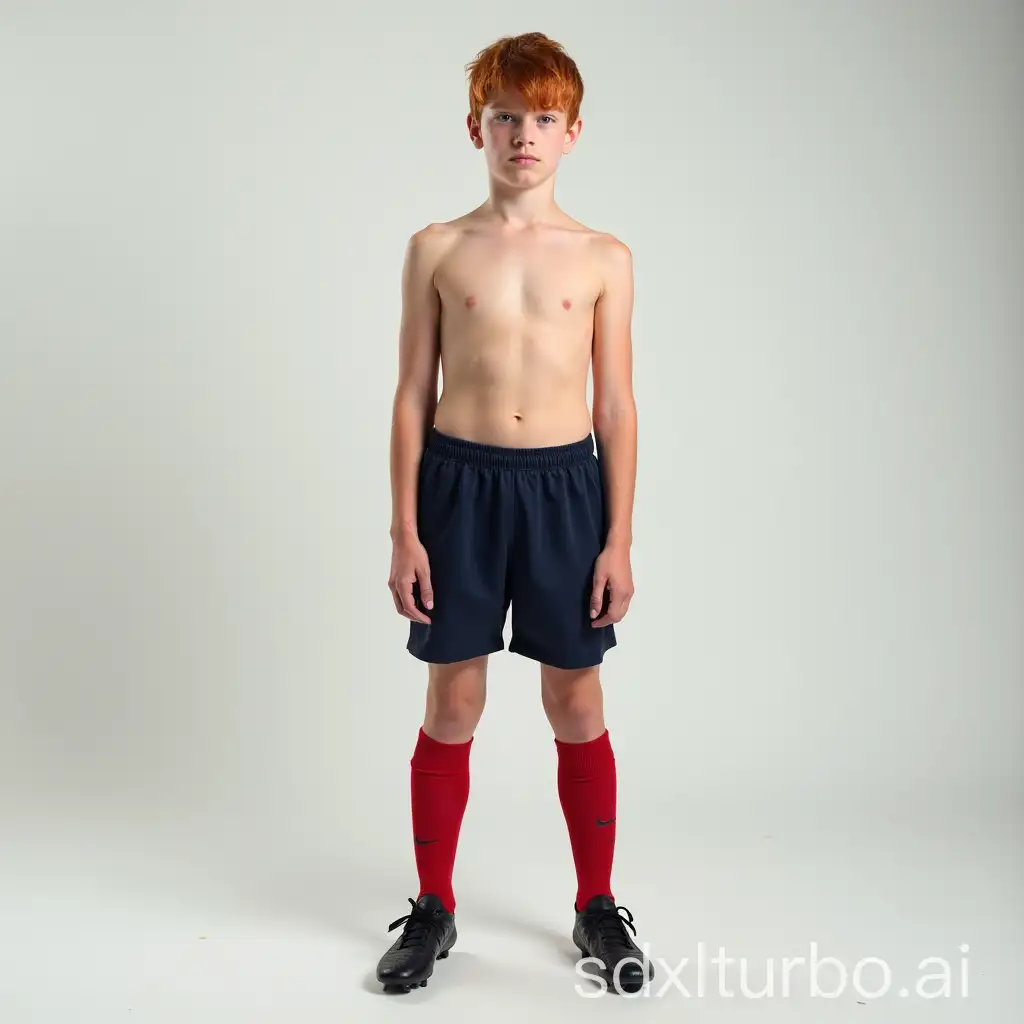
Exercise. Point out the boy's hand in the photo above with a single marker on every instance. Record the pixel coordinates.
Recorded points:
(612, 572)
(409, 566)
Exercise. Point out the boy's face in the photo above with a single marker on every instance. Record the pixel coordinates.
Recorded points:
(523, 147)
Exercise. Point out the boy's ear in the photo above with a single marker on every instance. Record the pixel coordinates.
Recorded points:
(473, 127)
(572, 134)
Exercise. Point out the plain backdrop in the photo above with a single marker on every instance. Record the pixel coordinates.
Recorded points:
(203, 212)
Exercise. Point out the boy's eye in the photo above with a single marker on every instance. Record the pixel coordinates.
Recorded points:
(544, 118)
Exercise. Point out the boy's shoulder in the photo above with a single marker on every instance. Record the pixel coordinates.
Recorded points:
(437, 233)
(439, 237)
(610, 253)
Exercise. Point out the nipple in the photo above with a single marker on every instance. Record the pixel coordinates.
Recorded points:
(470, 301)
(566, 303)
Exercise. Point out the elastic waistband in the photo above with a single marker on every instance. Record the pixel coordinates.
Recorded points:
(489, 455)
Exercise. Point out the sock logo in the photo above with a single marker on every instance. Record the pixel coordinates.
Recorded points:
(422, 842)
(602, 822)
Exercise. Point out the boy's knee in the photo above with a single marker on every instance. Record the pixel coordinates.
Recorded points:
(455, 702)
(574, 703)
(453, 718)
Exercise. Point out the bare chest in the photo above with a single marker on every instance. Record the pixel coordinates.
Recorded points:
(504, 284)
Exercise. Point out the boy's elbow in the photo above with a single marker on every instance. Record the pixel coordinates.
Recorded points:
(415, 395)
(615, 415)
(412, 407)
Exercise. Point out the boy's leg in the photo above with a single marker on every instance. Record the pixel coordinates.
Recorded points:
(462, 524)
(440, 771)
(561, 528)
(439, 790)
(560, 531)
(574, 704)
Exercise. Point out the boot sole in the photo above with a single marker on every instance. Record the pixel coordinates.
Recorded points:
(408, 986)
(609, 976)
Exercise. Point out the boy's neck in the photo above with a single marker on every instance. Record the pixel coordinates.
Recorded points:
(522, 208)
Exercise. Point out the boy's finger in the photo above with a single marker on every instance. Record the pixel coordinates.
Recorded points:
(409, 605)
(426, 590)
(617, 605)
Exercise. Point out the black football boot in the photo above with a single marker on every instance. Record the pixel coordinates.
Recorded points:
(601, 932)
(428, 935)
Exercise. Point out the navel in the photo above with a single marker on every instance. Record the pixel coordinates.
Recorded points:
(566, 303)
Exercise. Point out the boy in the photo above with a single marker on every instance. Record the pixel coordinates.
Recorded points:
(498, 495)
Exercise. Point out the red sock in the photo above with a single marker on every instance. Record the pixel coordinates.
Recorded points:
(440, 792)
(586, 790)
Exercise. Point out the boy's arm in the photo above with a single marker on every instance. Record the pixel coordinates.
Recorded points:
(615, 419)
(615, 427)
(415, 398)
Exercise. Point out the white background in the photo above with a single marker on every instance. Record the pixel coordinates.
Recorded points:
(206, 708)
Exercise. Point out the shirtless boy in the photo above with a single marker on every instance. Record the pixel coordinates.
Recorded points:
(500, 496)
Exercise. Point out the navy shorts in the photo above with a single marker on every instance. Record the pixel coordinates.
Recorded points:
(519, 527)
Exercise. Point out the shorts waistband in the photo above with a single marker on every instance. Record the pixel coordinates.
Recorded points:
(497, 456)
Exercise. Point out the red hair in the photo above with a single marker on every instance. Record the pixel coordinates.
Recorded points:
(531, 64)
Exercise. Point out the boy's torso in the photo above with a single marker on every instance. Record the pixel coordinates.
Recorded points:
(516, 330)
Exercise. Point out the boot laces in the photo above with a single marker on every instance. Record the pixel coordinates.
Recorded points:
(419, 925)
(611, 926)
